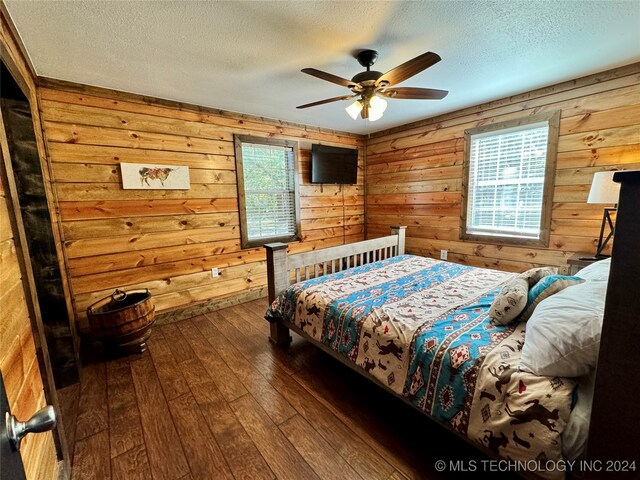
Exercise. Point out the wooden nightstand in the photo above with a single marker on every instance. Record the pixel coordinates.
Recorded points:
(580, 260)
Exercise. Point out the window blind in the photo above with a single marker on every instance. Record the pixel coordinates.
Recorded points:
(269, 191)
(506, 182)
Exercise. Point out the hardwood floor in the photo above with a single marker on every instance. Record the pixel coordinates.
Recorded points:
(212, 398)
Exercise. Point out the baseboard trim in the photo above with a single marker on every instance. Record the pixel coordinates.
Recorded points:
(209, 306)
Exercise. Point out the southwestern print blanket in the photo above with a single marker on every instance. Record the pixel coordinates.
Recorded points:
(420, 327)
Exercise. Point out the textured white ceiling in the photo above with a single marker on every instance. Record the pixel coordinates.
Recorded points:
(246, 56)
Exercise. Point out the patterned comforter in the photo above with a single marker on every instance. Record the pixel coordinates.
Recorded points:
(420, 327)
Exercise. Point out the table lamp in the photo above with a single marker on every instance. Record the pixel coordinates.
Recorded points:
(604, 190)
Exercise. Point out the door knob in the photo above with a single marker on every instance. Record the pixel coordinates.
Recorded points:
(42, 421)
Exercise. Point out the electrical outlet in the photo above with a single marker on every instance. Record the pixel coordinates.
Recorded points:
(443, 254)
(215, 272)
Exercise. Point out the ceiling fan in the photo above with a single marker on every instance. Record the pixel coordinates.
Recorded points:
(370, 86)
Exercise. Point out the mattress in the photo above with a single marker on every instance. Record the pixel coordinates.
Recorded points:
(420, 327)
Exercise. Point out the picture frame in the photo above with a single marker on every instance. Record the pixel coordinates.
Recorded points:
(139, 176)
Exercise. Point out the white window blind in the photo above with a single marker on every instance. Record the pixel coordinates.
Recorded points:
(506, 181)
(269, 191)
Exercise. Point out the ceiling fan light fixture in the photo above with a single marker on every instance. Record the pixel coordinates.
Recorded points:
(354, 109)
(378, 103)
(375, 115)
(371, 87)
(377, 106)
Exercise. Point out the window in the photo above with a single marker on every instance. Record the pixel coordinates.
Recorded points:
(267, 190)
(508, 181)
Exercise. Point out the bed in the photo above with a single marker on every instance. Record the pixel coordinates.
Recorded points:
(419, 327)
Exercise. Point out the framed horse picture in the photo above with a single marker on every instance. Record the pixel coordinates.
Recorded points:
(138, 176)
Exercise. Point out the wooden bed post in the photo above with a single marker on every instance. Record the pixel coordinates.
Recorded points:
(613, 435)
(278, 280)
(400, 231)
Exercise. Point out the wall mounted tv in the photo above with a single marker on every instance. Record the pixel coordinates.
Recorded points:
(334, 165)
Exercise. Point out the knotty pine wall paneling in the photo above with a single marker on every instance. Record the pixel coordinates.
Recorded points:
(168, 240)
(414, 172)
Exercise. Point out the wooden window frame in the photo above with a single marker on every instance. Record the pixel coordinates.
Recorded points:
(553, 121)
(238, 141)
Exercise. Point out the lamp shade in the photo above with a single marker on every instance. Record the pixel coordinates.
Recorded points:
(603, 188)
(354, 109)
(374, 115)
(378, 104)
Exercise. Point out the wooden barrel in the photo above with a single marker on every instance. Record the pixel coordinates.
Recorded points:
(123, 319)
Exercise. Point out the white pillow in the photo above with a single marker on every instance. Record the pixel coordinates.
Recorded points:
(596, 271)
(562, 337)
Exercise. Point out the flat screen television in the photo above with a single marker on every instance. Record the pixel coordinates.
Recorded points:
(334, 165)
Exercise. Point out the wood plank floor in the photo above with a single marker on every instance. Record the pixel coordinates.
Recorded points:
(212, 398)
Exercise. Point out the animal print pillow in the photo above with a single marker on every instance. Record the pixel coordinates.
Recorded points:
(534, 275)
(513, 298)
(510, 302)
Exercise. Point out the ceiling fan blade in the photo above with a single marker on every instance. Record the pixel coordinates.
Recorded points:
(328, 100)
(407, 93)
(328, 77)
(410, 68)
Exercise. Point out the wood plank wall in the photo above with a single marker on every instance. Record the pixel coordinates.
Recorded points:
(18, 359)
(414, 172)
(168, 241)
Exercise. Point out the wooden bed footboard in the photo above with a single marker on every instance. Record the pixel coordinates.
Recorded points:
(283, 269)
